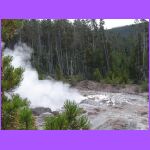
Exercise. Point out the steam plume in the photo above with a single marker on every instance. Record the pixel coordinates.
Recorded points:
(44, 93)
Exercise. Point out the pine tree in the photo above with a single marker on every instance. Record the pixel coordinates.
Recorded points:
(79, 47)
(70, 119)
(97, 75)
(12, 107)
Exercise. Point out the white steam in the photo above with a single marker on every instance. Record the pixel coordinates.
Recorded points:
(44, 93)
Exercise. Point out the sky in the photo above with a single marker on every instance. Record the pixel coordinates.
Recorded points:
(112, 23)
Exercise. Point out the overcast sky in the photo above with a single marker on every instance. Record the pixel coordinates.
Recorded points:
(111, 23)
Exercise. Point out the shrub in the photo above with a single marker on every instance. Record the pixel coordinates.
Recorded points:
(124, 78)
(26, 119)
(41, 76)
(97, 75)
(9, 27)
(12, 108)
(74, 79)
(120, 78)
(9, 120)
(71, 119)
(58, 122)
(59, 74)
(11, 77)
(144, 86)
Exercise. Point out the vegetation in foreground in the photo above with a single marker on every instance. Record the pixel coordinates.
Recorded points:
(70, 119)
(16, 113)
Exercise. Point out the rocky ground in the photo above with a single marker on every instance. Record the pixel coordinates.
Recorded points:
(108, 107)
(120, 111)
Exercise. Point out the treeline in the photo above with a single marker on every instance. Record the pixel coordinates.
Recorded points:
(84, 49)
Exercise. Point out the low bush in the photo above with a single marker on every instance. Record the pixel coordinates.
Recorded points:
(144, 86)
(73, 79)
(26, 119)
(16, 114)
(70, 119)
(97, 75)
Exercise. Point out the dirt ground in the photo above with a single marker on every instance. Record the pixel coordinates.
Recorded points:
(96, 86)
(110, 107)
(114, 107)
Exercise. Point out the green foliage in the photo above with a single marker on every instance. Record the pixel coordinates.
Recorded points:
(83, 123)
(62, 49)
(71, 112)
(9, 27)
(124, 78)
(11, 109)
(117, 78)
(10, 77)
(26, 119)
(15, 111)
(41, 76)
(59, 75)
(58, 122)
(97, 75)
(70, 119)
(144, 86)
(74, 79)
